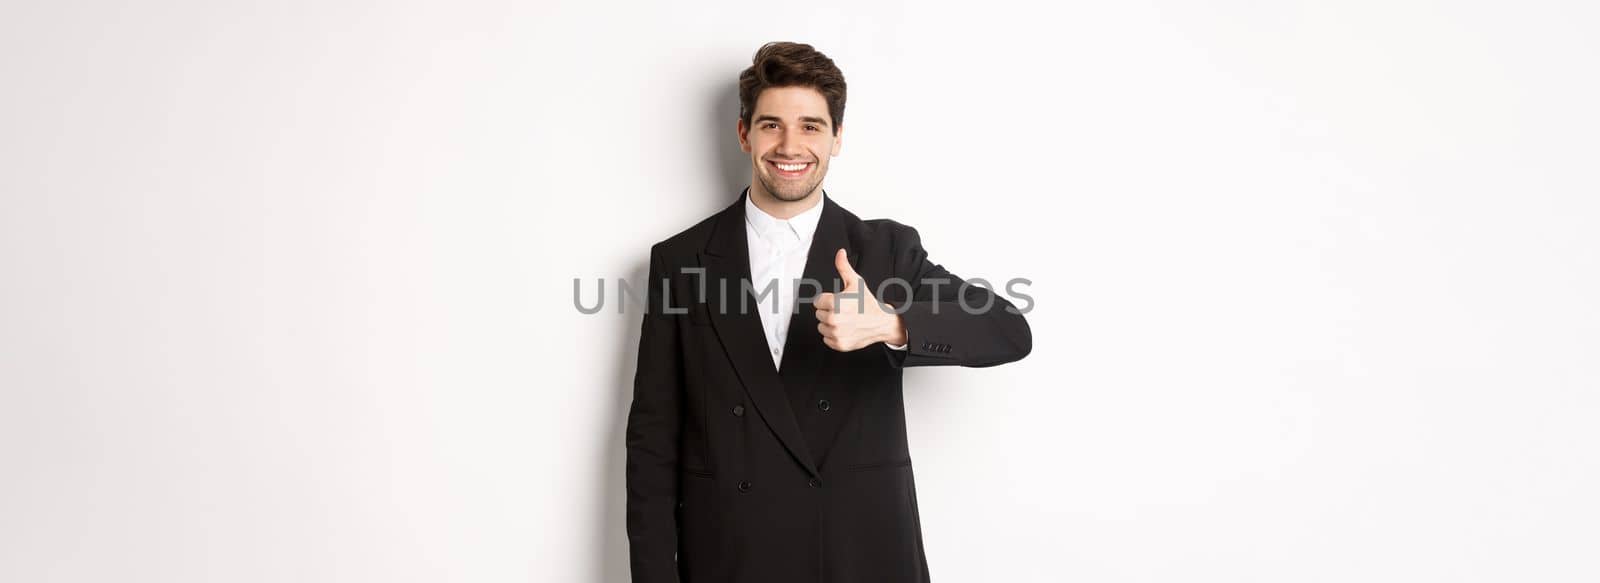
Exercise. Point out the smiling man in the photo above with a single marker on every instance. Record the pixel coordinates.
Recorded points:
(766, 441)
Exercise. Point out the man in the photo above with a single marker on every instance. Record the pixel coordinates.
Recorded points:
(766, 441)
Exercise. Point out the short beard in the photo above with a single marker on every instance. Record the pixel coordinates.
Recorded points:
(791, 197)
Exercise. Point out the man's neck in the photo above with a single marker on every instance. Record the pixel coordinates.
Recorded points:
(782, 209)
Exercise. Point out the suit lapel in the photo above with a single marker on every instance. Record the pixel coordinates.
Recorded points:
(727, 263)
(804, 350)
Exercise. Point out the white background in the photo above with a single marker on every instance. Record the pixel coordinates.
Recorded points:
(286, 287)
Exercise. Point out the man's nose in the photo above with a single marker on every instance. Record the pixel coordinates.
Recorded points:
(789, 143)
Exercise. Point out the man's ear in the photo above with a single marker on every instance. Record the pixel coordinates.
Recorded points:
(744, 135)
(838, 138)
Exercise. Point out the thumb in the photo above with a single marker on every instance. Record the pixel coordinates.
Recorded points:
(848, 273)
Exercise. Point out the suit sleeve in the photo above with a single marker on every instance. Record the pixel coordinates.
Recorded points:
(949, 321)
(654, 422)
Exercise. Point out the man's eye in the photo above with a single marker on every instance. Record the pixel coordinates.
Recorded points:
(769, 125)
(811, 128)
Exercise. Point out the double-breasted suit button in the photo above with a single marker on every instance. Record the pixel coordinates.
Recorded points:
(744, 486)
(824, 405)
(738, 410)
(815, 483)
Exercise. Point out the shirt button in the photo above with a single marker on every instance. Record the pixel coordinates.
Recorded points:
(776, 350)
(824, 405)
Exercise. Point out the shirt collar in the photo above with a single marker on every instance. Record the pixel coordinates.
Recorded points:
(802, 225)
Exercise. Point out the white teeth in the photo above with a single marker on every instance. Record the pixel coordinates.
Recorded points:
(790, 167)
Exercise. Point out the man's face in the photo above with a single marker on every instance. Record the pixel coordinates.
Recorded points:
(791, 128)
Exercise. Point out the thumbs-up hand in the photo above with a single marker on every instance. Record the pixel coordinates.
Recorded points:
(853, 318)
(852, 280)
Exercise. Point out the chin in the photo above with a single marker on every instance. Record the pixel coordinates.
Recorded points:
(789, 195)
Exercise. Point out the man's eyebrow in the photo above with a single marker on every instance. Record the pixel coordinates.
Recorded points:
(804, 118)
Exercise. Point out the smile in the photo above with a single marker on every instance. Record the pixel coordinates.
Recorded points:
(787, 170)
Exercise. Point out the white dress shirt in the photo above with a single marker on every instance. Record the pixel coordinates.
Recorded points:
(778, 250)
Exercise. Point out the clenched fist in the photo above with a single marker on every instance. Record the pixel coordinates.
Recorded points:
(853, 318)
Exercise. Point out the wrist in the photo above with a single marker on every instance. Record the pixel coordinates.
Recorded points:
(894, 330)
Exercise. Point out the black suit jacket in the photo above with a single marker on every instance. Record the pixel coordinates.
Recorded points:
(739, 473)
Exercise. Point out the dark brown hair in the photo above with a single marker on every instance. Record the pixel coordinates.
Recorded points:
(787, 64)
